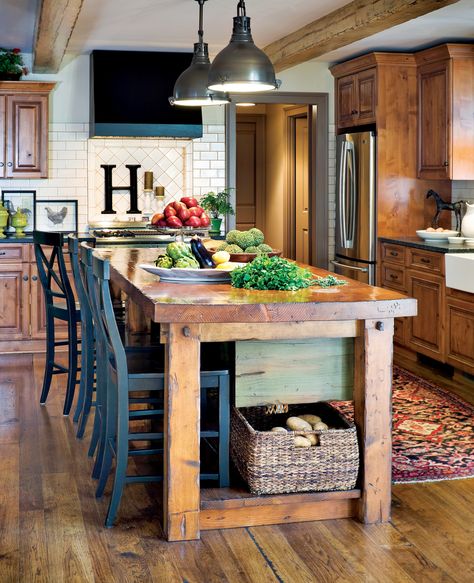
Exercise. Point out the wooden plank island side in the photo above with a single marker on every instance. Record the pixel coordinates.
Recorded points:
(189, 313)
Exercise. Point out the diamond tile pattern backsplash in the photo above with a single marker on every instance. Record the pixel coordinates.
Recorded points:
(169, 160)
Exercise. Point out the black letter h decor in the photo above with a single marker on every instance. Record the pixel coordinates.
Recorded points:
(132, 188)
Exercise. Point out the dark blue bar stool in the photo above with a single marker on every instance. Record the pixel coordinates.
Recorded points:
(125, 402)
(61, 305)
(87, 379)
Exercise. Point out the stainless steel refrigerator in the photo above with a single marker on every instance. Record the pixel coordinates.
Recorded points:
(355, 206)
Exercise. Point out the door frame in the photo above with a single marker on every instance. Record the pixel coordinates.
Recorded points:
(318, 113)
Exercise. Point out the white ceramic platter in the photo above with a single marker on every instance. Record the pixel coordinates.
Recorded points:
(180, 275)
(436, 235)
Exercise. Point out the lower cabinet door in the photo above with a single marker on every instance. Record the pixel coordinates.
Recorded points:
(14, 301)
(426, 330)
(460, 334)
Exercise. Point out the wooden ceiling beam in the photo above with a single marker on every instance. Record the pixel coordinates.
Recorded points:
(352, 22)
(54, 27)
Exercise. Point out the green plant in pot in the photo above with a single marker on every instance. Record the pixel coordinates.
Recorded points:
(218, 205)
(11, 65)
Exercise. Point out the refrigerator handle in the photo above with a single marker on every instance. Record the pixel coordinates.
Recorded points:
(351, 199)
(364, 269)
(342, 194)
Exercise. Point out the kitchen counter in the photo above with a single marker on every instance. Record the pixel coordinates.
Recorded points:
(191, 314)
(438, 246)
(28, 238)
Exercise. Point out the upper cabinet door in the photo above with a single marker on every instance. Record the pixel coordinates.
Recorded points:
(434, 121)
(346, 101)
(367, 97)
(27, 135)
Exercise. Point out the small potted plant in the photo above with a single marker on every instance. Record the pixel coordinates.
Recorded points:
(11, 65)
(218, 206)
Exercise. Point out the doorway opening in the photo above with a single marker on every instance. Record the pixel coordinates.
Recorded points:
(277, 158)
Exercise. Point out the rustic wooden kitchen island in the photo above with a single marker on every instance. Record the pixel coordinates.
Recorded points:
(191, 314)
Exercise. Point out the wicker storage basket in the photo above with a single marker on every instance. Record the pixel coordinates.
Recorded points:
(271, 464)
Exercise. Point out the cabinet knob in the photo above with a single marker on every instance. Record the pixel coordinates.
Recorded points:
(425, 260)
(394, 253)
(9, 164)
(446, 163)
(3, 252)
(393, 276)
(354, 112)
(25, 278)
(29, 154)
(2, 164)
(34, 277)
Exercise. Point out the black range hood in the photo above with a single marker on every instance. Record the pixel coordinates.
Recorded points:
(129, 95)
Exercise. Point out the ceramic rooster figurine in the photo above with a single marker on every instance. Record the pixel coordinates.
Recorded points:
(56, 217)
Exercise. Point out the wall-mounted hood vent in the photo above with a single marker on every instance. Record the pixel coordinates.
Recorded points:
(129, 95)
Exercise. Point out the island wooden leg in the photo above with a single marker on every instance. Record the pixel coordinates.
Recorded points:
(373, 412)
(181, 498)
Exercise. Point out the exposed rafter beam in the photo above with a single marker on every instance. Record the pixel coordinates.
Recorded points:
(354, 21)
(56, 21)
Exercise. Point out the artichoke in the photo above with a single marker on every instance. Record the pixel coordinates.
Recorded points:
(234, 249)
(186, 263)
(164, 261)
(222, 246)
(264, 248)
(252, 249)
(179, 250)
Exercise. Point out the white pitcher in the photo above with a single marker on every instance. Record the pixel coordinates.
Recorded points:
(467, 225)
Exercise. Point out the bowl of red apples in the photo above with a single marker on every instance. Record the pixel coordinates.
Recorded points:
(182, 214)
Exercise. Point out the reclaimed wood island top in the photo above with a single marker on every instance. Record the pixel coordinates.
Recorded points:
(191, 314)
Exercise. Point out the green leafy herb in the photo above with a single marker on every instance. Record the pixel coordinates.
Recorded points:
(276, 273)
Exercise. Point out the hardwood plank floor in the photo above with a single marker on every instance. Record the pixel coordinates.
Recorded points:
(51, 524)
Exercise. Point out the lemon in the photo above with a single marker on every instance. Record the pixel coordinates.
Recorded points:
(227, 266)
(221, 257)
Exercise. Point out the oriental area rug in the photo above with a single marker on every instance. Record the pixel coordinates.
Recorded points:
(433, 431)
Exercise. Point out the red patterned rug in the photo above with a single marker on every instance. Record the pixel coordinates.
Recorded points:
(433, 431)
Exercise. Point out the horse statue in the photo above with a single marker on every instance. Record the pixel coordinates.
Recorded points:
(442, 205)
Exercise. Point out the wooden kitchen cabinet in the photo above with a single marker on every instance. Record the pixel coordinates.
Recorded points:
(22, 309)
(24, 129)
(460, 329)
(356, 99)
(446, 112)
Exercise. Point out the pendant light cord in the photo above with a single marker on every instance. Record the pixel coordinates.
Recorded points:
(241, 8)
(201, 25)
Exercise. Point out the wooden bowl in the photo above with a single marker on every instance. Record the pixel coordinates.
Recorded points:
(247, 257)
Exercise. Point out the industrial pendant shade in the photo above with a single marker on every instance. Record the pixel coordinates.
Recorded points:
(242, 67)
(191, 87)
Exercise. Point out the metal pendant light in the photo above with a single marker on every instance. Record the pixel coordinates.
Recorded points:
(191, 87)
(242, 67)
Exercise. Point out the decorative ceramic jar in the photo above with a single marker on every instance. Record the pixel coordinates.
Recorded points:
(3, 220)
(467, 225)
(19, 221)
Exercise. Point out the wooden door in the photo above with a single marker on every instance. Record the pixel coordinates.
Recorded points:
(346, 100)
(27, 136)
(426, 329)
(302, 243)
(366, 96)
(3, 129)
(14, 301)
(250, 165)
(434, 121)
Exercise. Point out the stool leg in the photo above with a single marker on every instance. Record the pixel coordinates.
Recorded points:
(108, 433)
(82, 383)
(72, 365)
(48, 372)
(224, 431)
(88, 385)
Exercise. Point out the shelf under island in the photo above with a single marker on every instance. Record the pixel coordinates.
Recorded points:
(191, 314)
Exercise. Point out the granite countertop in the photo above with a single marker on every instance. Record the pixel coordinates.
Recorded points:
(437, 246)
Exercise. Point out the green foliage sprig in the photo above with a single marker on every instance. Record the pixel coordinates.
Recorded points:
(276, 273)
(217, 204)
(11, 61)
